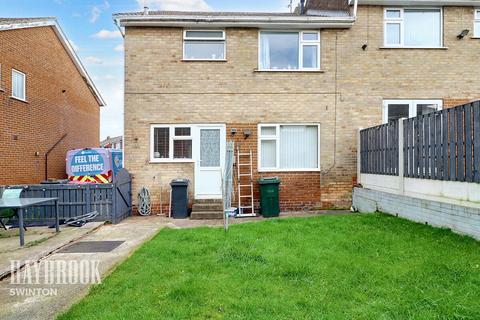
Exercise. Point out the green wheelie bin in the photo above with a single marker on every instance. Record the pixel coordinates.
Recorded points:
(269, 199)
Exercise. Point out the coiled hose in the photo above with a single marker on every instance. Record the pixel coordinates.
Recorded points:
(144, 202)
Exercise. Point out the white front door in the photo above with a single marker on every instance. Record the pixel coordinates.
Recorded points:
(209, 161)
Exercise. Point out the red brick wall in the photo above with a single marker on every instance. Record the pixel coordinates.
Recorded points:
(453, 102)
(36, 125)
(298, 190)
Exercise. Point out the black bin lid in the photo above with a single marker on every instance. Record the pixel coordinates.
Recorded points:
(179, 182)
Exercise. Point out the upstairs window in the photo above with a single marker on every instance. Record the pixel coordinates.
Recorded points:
(476, 26)
(171, 143)
(289, 50)
(18, 85)
(414, 28)
(204, 45)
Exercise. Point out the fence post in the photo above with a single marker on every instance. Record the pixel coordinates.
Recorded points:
(359, 157)
(401, 159)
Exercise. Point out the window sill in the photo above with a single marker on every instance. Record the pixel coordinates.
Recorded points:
(18, 99)
(300, 71)
(414, 48)
(288, 170)
(172, 161)
(204, 60)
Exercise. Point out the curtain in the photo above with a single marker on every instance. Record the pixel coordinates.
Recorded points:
(269, 154)
(298, 147)
(264, 51)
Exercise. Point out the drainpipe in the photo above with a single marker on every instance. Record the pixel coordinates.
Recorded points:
(302, 7)
(48, 152)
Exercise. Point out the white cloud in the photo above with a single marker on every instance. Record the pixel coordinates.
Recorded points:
(93, 60)
(97, 10)
(119, 48)
(94, 14)
(74, 45)
(183, 5)
(107, 34)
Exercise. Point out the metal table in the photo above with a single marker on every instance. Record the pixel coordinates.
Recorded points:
(21, 204)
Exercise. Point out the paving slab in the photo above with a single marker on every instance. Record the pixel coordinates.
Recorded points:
(39, 242)
(61, 279)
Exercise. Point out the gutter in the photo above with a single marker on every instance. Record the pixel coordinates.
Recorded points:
(301, 21)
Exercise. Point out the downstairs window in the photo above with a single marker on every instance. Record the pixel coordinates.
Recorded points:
(171, 143)
(289, 147)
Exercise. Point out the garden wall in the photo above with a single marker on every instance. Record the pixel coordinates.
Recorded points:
(460, 219)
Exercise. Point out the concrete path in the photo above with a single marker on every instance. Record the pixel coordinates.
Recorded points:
(39, 242)
(61, 279)
(30, 293)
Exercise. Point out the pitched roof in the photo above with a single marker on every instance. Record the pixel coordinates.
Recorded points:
(23, 23)
(339, 7)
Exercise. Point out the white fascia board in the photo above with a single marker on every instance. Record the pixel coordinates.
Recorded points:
(297, 22)
(467, 3)
(71, 52)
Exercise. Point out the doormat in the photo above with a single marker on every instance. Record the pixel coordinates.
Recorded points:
(91, 247)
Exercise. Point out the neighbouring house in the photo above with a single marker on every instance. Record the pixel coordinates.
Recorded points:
(49, 103)
(112, 143)
(293, 88)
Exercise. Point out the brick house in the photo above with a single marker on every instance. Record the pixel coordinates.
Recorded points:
(295, 87)
(49, 103)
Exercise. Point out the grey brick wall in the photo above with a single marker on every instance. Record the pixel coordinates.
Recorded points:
(460, 219)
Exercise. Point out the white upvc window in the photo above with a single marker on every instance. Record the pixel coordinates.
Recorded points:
(476, 25)
(204, 45)
(397, 109)
(289, 50)
(18, 85)
(288, 147)
(413, 27)
(171, 143)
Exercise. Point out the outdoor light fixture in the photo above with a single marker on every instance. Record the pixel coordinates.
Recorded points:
(233, 131)
(364, 47)
(463, 34)
(247, 133)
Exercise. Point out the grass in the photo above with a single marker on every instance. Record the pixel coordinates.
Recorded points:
(329, 267)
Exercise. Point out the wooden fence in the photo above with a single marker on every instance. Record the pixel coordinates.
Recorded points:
(113, 201)
(443, 145)
(379, 149)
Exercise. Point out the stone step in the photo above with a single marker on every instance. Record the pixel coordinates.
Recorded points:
(206, 215)
(208, 201)
(207, 207)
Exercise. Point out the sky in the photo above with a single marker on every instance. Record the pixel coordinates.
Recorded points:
(89, 26)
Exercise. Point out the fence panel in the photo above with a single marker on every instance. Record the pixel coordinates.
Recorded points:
(444, 145)
(112, 201)
(379, 149)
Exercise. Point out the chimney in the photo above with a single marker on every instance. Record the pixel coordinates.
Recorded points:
(146, 10)
(302, 6)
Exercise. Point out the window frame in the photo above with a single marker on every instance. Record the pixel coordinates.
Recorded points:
(401, 22)
(301, 44)
(222, 39)
(476, 19)
(24, 99)
(172, 137)
(276, 138)
(412, 106)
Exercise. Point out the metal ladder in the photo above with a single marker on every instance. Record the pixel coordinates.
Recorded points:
(244, 160)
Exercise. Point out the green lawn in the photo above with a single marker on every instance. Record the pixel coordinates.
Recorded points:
(328, 267)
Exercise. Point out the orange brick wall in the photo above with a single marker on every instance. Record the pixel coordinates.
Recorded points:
(36, 125)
